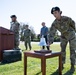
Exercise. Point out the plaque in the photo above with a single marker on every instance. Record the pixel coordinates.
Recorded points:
(43, 51)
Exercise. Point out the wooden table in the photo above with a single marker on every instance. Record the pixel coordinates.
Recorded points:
(43, 58)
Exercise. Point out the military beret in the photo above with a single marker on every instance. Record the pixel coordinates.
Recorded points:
(55, 9)
(13, 16)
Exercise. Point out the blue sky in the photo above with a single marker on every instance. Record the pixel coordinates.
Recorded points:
(34, 12)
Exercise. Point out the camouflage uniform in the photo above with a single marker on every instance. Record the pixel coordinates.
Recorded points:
(67, 28)
(15, 28)
(27, 38)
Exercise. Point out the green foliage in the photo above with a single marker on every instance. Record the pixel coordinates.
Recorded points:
(33, 36)
(57, 39)
(22, 38)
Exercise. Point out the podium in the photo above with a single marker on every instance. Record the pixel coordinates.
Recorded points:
(7, 45)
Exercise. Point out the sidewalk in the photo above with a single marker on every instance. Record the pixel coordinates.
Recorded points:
(38, 42)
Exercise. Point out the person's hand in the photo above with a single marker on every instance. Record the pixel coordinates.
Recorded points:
(49, 43)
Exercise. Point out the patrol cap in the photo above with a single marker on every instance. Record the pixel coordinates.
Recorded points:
(26, 25)
(13, 16)
(55, 9)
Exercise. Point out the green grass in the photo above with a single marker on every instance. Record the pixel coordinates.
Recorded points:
(34, 66)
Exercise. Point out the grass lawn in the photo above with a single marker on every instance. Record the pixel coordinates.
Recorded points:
(17, 68)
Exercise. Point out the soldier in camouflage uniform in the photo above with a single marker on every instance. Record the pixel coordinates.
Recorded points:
(15, 28)
(67, 28)
(27, 37)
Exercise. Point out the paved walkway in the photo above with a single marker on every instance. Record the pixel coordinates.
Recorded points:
(38, 42)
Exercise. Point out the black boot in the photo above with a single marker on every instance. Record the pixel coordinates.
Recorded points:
(30, 48)
(48, 48)
(72, 69)
(43, 47)
(62, 67)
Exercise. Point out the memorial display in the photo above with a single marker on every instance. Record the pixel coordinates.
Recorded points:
(7, 46)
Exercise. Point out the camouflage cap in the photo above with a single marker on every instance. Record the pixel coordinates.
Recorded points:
(55, 9)
(13, 16)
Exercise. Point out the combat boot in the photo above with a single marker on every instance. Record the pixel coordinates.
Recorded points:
(72, 69)
(48, 48)
(62, 66)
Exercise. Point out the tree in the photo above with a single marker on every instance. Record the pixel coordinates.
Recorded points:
(22, 26)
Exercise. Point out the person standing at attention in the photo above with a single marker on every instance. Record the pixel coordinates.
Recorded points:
(27, 37)
(15, 28)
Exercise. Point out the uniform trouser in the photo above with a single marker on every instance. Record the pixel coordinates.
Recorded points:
(28, 43)
(72, 46)
(43, 47)
(16, 40)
